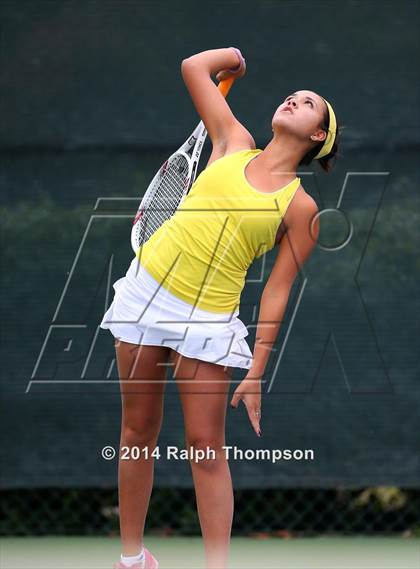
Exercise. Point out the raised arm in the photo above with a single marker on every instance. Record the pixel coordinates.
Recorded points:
(197, 71)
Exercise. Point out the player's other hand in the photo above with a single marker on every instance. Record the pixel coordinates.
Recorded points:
(249, 392)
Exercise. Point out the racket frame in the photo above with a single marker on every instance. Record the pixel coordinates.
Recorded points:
(191, 150)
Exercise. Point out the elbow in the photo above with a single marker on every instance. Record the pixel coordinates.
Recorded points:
(188, 63)
(188, 68)
(184, 65)
(279, 290)
(192, 70)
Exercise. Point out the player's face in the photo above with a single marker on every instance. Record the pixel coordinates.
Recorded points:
(301, 112)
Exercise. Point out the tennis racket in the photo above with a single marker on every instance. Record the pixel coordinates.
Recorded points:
(171, 183)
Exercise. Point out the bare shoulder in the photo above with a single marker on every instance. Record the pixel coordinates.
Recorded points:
(300, 212)
(239, 139)
(302, 206)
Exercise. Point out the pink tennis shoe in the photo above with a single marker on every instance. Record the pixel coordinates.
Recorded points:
(149, 562)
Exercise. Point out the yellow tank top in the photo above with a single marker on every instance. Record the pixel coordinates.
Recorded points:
(202, 253)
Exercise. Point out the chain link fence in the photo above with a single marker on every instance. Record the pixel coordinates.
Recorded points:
(275, 512)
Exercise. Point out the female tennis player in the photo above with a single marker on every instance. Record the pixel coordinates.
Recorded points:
(179, 301)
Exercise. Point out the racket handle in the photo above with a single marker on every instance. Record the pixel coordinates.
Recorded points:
(225, 85)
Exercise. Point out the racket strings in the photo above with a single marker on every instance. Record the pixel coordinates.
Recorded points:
(165, 196)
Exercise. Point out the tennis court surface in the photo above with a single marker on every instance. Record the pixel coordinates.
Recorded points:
(246, 553)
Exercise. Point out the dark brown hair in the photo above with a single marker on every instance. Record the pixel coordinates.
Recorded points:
(328, 161)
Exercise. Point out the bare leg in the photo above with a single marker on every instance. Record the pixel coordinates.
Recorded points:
(142, 374)
(204, 389)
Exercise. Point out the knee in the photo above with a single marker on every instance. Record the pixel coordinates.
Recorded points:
(205, 453)
(141, 432)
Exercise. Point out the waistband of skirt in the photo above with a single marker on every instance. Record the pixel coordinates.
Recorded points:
(140, 276)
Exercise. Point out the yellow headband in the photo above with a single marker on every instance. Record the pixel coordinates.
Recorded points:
(331, 134)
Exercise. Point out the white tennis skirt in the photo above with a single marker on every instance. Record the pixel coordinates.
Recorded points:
(144, 312)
